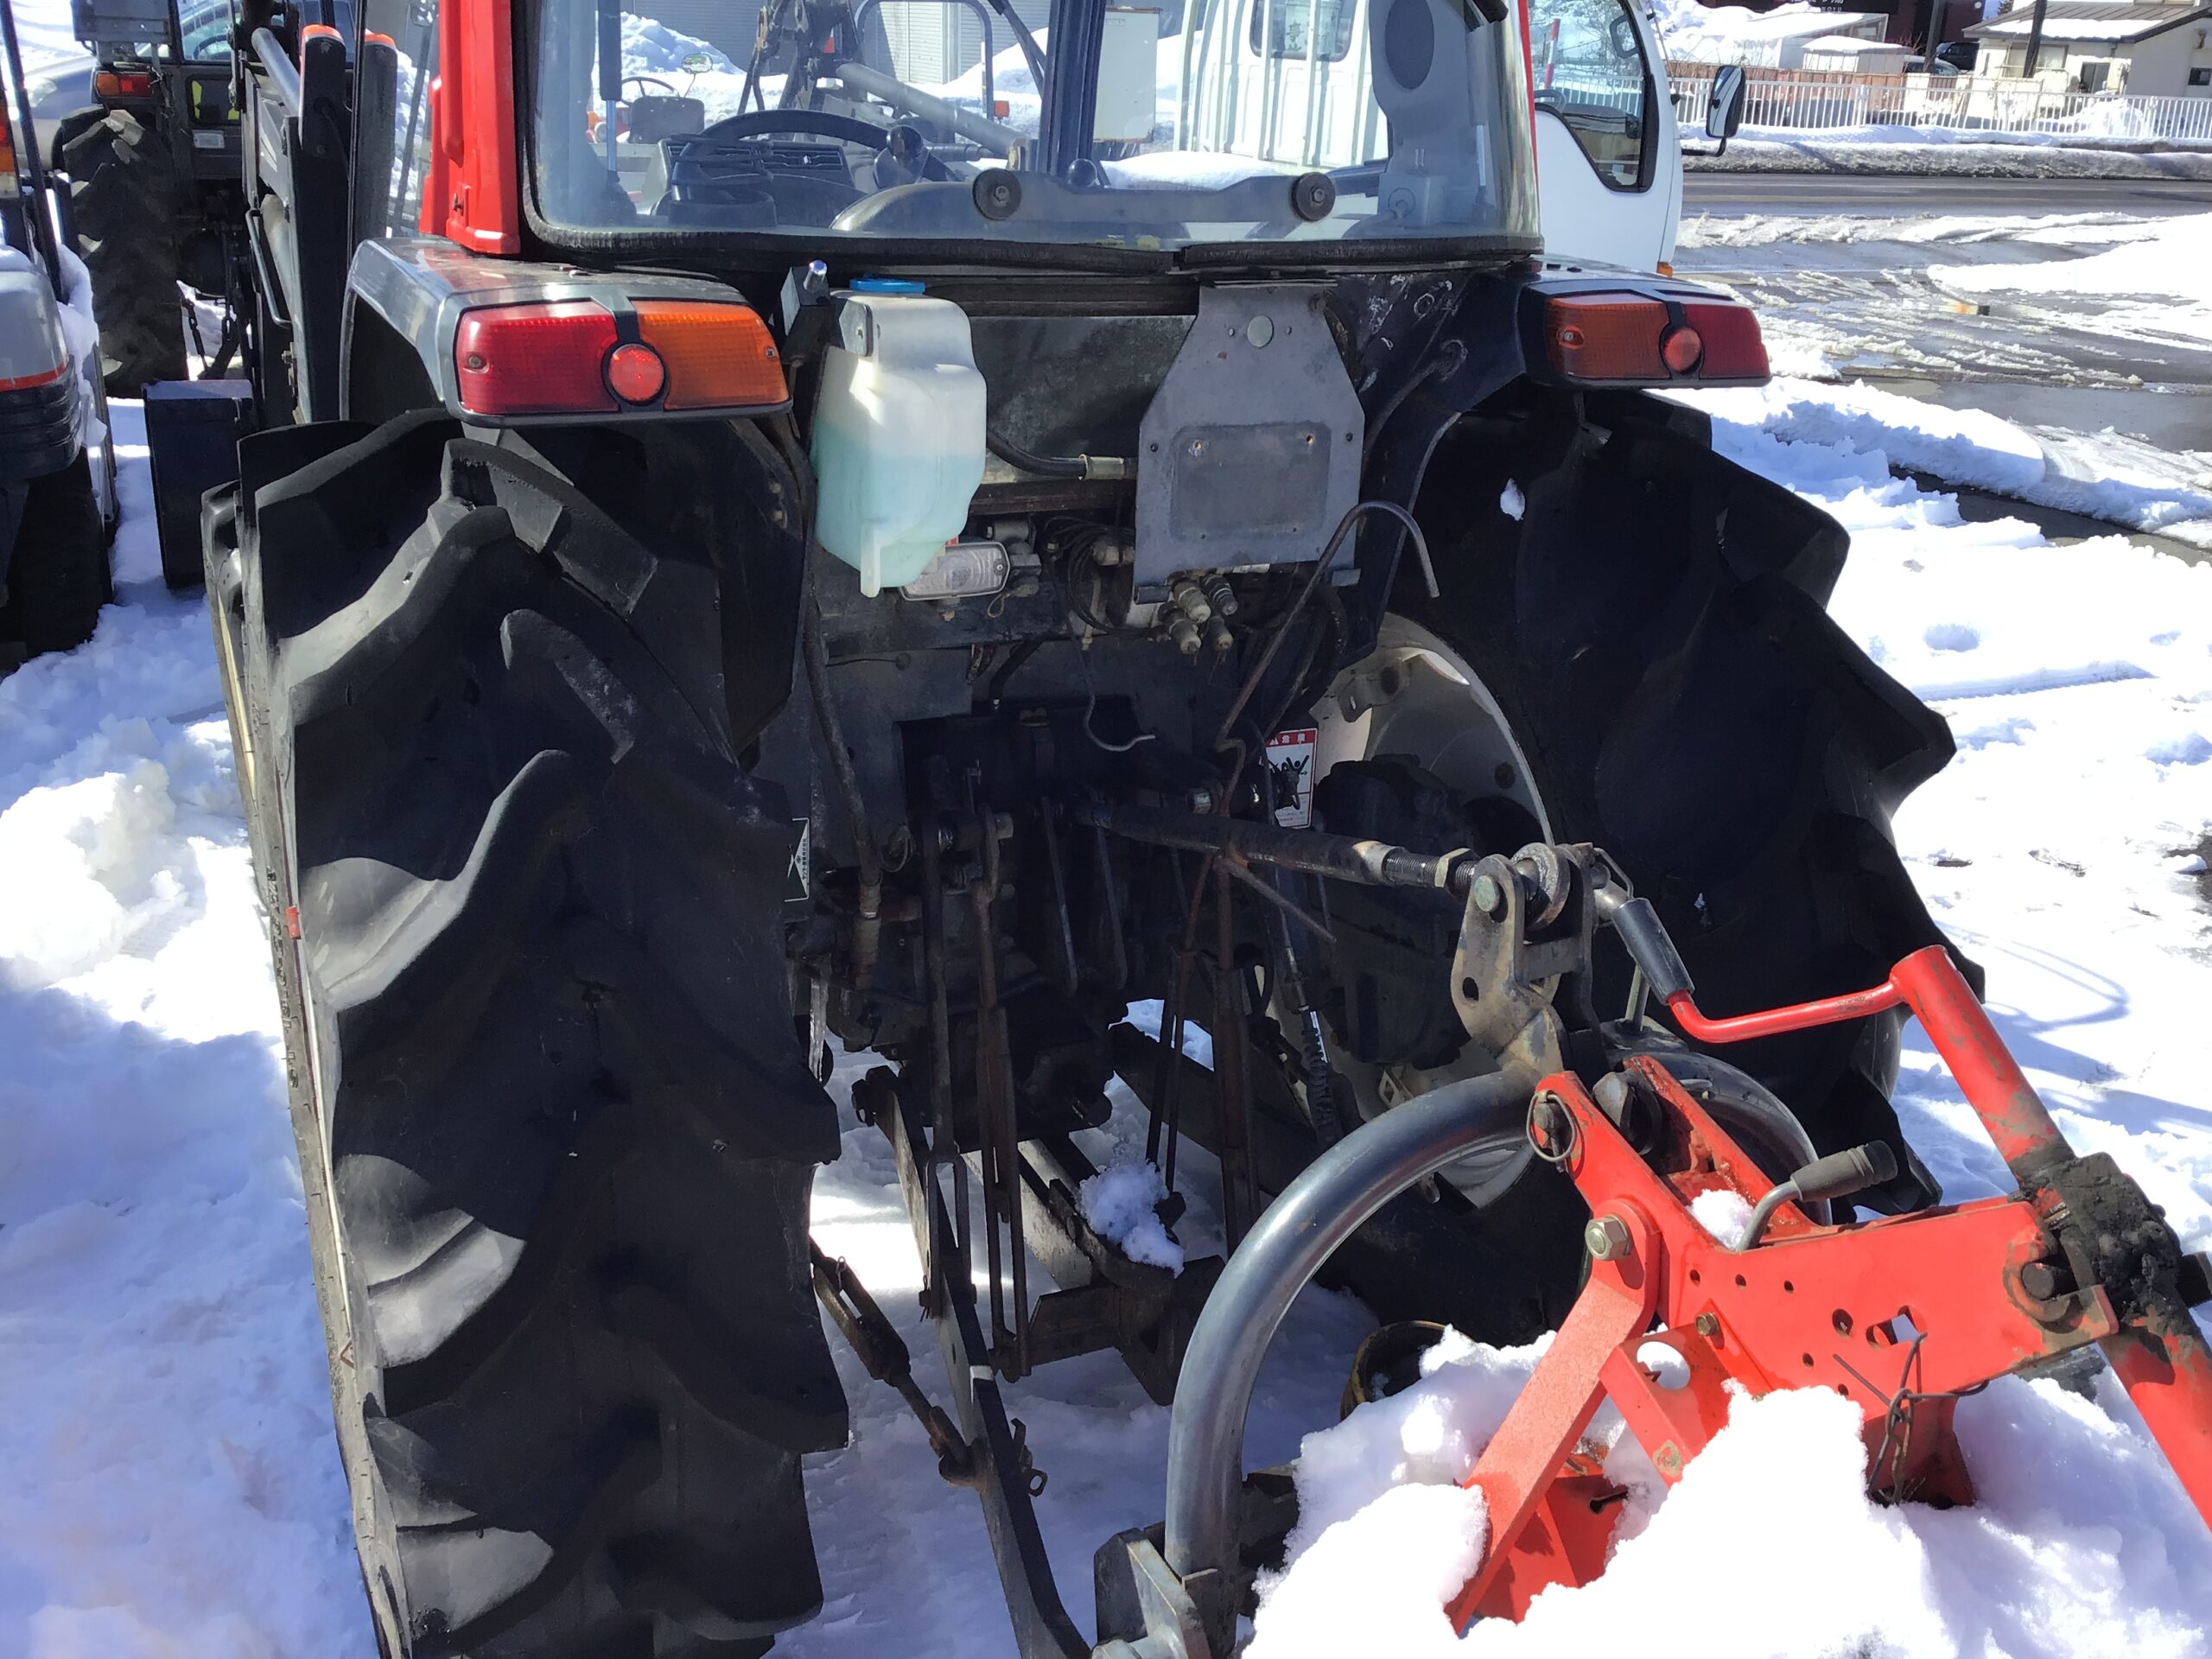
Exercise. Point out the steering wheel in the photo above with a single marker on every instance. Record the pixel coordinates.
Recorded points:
(822, 123)
(667, 87)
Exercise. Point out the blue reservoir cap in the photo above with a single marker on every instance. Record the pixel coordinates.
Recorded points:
(886, 285)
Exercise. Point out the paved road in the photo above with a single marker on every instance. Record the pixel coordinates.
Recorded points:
(1724, 194)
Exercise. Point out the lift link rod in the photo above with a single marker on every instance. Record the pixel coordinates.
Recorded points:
(1368, 863)
(883, 1354)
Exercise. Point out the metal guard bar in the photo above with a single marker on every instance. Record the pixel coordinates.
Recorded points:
(1331, 1198)
(283, 74)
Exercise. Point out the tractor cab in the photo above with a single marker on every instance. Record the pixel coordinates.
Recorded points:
(1137, 129)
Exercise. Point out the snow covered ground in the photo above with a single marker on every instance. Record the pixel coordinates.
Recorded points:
(171, 1489)
(2077, 312)
(2151, 283)
(168, 1485)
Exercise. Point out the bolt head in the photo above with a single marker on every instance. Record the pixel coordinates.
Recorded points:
(2038, 1280)
(1606, 1238)
(1708, 1326)
(1489, 897)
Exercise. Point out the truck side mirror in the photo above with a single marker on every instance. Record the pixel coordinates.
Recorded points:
(1726, 113)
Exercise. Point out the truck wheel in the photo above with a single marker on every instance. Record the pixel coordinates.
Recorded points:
(57, 576)
(1651, 636)
(122, 195)
(557, 1131)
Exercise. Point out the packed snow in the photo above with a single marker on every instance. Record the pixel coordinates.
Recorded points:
(2044, 230)
(1120, 1202)
(1724, 1213)
(1690, 31)
(2109, 477)
(2156, 287)
(1768, 1546)
(171, 1487)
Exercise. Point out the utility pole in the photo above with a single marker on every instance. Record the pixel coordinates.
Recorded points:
(2035, 37)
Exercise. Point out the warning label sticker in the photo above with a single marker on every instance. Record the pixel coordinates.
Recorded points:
(1290, 776)
(798, 879)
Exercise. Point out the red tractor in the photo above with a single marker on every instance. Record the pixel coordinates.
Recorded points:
(800, 544)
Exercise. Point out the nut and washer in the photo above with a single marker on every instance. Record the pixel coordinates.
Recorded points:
(1708, 1326)
(1606, 1238)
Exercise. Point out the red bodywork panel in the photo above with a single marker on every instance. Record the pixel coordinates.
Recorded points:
(473, 195)
(1899, 1315)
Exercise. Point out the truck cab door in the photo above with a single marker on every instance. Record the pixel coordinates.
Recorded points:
(1609, 164)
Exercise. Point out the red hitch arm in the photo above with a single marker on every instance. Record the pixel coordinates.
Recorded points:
(1899, 1314)
(2162, 1358)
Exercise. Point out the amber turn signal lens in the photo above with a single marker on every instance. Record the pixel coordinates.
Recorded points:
(1606, 337)
(719, 356)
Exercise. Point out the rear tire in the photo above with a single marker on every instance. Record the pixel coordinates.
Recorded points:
(1653, 629)
(57, 576)
(124, 196)
(556, 1130)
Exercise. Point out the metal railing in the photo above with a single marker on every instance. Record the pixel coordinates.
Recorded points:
(1966, 103)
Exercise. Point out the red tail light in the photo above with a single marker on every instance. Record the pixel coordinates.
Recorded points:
(1734, 349)
(535, 360)
(1640, 340)
(568, 357)
(125, 83)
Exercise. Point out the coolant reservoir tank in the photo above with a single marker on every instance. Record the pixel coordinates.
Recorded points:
(898, 434)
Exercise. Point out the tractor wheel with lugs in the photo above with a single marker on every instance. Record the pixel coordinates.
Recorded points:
(122, 204)
(557, 1127)
(1650, 631)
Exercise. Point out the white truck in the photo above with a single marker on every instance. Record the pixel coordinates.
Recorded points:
(1283, 81)
(1609, 153)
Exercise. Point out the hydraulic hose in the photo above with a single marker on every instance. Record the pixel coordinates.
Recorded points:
(1329, 1201)
(1054, 466)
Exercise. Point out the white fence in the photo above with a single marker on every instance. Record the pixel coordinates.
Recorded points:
(1966, 103)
